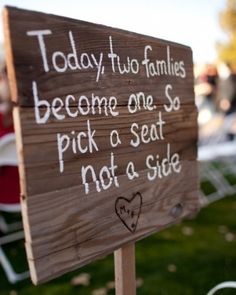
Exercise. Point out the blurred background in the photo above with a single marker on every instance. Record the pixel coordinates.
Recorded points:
(190, 258)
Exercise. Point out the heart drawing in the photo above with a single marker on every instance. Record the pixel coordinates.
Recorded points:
(128, 210)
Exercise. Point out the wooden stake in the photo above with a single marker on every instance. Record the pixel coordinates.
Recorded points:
(125, 270)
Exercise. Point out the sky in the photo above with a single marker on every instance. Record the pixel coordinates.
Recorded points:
(189, 22)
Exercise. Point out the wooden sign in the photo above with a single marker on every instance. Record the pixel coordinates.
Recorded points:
(106, 134)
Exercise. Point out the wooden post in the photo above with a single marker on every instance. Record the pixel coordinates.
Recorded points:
(125, 270)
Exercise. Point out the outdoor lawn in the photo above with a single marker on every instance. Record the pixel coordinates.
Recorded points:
(190, 258)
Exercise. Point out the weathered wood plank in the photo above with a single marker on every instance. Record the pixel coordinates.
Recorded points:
(159, 210)
(68, 82)
(85, 95)
(41, 155)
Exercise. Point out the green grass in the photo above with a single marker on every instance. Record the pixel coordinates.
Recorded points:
(196, 251)
(207, 187)
(231, 178)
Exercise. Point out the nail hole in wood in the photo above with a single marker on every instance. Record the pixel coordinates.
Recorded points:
(177, 210)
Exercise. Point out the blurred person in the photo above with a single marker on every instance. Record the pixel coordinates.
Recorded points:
(5, 104)
(205, 91)
(206, 83)
(9, 177)
(212, 81)
(227, 89)
(227, 96)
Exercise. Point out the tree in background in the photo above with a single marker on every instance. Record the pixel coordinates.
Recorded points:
(227, 51)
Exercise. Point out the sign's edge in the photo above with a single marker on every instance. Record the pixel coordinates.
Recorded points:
(17, 125)
(9, 55)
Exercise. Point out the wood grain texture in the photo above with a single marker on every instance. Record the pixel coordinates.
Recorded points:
(125, 270)
(65, 227)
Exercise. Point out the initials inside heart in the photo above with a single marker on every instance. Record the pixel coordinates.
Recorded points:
(128, 210)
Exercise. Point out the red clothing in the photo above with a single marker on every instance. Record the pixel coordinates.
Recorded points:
(9, 177)
(9, 185)
(5, 130)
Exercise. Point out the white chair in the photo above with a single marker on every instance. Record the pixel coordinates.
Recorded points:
(221, 286)
(8, 150)
(8, 157)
